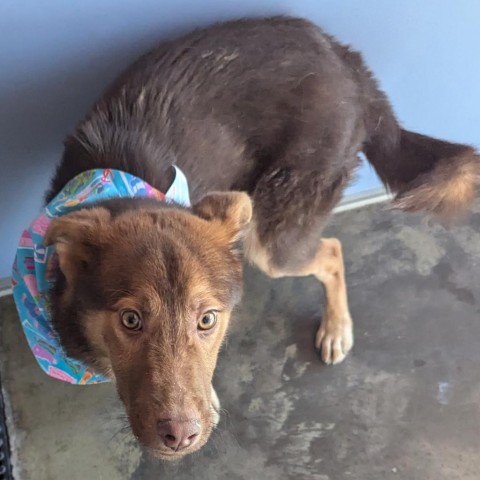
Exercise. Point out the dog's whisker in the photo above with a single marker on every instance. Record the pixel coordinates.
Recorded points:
(120, 432)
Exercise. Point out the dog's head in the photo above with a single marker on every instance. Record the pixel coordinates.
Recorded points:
(145, 295)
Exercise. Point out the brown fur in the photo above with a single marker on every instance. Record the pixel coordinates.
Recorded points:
(427, 174)
(274, 108)
(446, 190)
(171, 267)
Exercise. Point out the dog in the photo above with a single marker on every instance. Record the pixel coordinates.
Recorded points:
(266, 119)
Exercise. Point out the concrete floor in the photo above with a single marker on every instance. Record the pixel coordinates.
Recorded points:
(404, 405)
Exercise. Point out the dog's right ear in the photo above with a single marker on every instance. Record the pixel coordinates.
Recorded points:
(75, 236)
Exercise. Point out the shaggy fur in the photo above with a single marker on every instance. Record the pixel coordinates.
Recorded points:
(272, 107)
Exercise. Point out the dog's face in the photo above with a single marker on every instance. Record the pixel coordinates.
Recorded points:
(146, 298)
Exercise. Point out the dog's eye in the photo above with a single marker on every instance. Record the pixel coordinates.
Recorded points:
(131, 320)
(208, 320)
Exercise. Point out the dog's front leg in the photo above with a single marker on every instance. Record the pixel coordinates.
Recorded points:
(334, 338)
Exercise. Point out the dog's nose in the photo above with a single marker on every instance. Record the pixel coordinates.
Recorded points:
(178, 434)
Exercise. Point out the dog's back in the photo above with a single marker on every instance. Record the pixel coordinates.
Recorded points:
(226, 104)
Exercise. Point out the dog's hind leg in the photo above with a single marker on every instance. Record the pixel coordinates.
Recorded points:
(334, 337)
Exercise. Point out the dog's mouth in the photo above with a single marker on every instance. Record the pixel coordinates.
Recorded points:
(162, 453)
(173, 438)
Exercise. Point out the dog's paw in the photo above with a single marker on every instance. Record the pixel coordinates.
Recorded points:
(334, 340)
(215, 408)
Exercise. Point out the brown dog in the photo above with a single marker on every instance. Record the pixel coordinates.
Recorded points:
(274, 108)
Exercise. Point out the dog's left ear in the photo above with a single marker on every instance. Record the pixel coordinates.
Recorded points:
(231, 210)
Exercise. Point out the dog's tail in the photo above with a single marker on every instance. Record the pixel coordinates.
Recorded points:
(425, 173)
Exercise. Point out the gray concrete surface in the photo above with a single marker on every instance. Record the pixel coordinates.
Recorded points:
(404, 405)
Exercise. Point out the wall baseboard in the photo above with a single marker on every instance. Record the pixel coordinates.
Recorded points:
(5, 286)
(369, 197)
